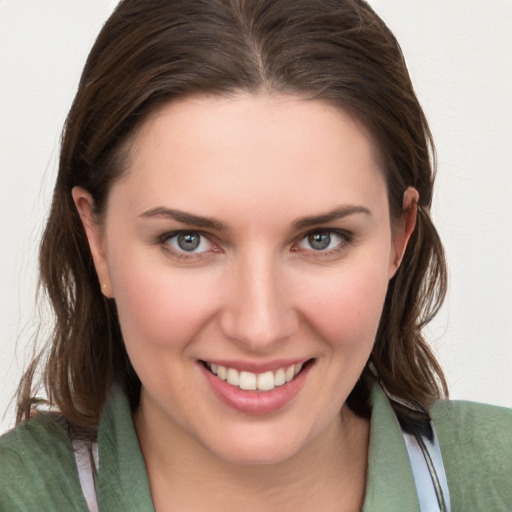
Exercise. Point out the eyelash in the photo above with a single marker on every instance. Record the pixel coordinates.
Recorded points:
(182, 254)
(346, 238)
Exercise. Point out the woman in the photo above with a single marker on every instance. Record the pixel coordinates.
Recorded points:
(240, 259)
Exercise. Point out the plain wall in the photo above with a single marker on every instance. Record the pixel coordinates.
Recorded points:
(459, 54)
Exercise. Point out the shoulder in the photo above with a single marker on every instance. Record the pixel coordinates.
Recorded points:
(37, 468)
(481, 427)
(473, 418)
(476, 445)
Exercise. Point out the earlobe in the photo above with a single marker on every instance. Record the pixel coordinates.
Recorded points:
(84, 203)
(404, 228)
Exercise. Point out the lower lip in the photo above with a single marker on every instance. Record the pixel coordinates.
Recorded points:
(256, 402)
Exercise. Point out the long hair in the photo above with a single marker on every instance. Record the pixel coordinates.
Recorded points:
(151, 52)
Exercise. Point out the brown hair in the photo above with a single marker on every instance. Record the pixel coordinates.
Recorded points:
(153, 51)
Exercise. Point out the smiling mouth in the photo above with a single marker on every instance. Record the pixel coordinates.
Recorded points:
(249, 381)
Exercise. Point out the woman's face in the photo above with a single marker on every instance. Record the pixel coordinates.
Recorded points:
(248, 249)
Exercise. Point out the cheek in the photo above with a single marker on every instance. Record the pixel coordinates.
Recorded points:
(346, 309)
(159, 308)
(161, 313)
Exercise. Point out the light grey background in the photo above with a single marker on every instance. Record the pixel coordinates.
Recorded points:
(460, 57)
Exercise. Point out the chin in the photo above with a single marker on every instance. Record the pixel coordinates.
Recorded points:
(258, 456)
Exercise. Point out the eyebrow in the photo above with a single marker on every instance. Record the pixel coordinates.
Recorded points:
(336, 214)
(184, 218)
(212, 223)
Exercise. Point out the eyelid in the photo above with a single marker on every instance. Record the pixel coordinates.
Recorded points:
(347, 238)
(182, 254)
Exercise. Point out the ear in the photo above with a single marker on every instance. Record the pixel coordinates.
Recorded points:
(403, 229)
(85, 205)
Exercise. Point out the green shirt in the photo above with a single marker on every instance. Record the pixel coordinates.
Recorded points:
(38, 471)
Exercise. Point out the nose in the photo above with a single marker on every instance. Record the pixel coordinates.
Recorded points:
(259, 312)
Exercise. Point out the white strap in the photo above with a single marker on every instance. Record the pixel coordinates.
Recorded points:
(86, 458)
(429, 473)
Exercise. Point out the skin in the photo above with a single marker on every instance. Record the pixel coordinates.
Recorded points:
(255, 291)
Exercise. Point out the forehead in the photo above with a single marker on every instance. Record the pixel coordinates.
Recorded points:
(266, 149)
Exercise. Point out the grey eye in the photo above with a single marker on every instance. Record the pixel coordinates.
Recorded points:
(188, 241)
(323, 241)
(320, 240)
(191, 242)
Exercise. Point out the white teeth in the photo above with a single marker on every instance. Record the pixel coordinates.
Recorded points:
(247, 381)
(222, 373)
(251, 381)
(279, 377)
(233, 377)
(266, 381)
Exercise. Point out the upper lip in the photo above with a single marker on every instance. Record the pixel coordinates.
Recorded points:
(256, 367)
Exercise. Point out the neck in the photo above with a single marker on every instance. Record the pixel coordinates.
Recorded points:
(328, 474)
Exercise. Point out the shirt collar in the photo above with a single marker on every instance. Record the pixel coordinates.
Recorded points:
(390, 483)
(122, 482)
